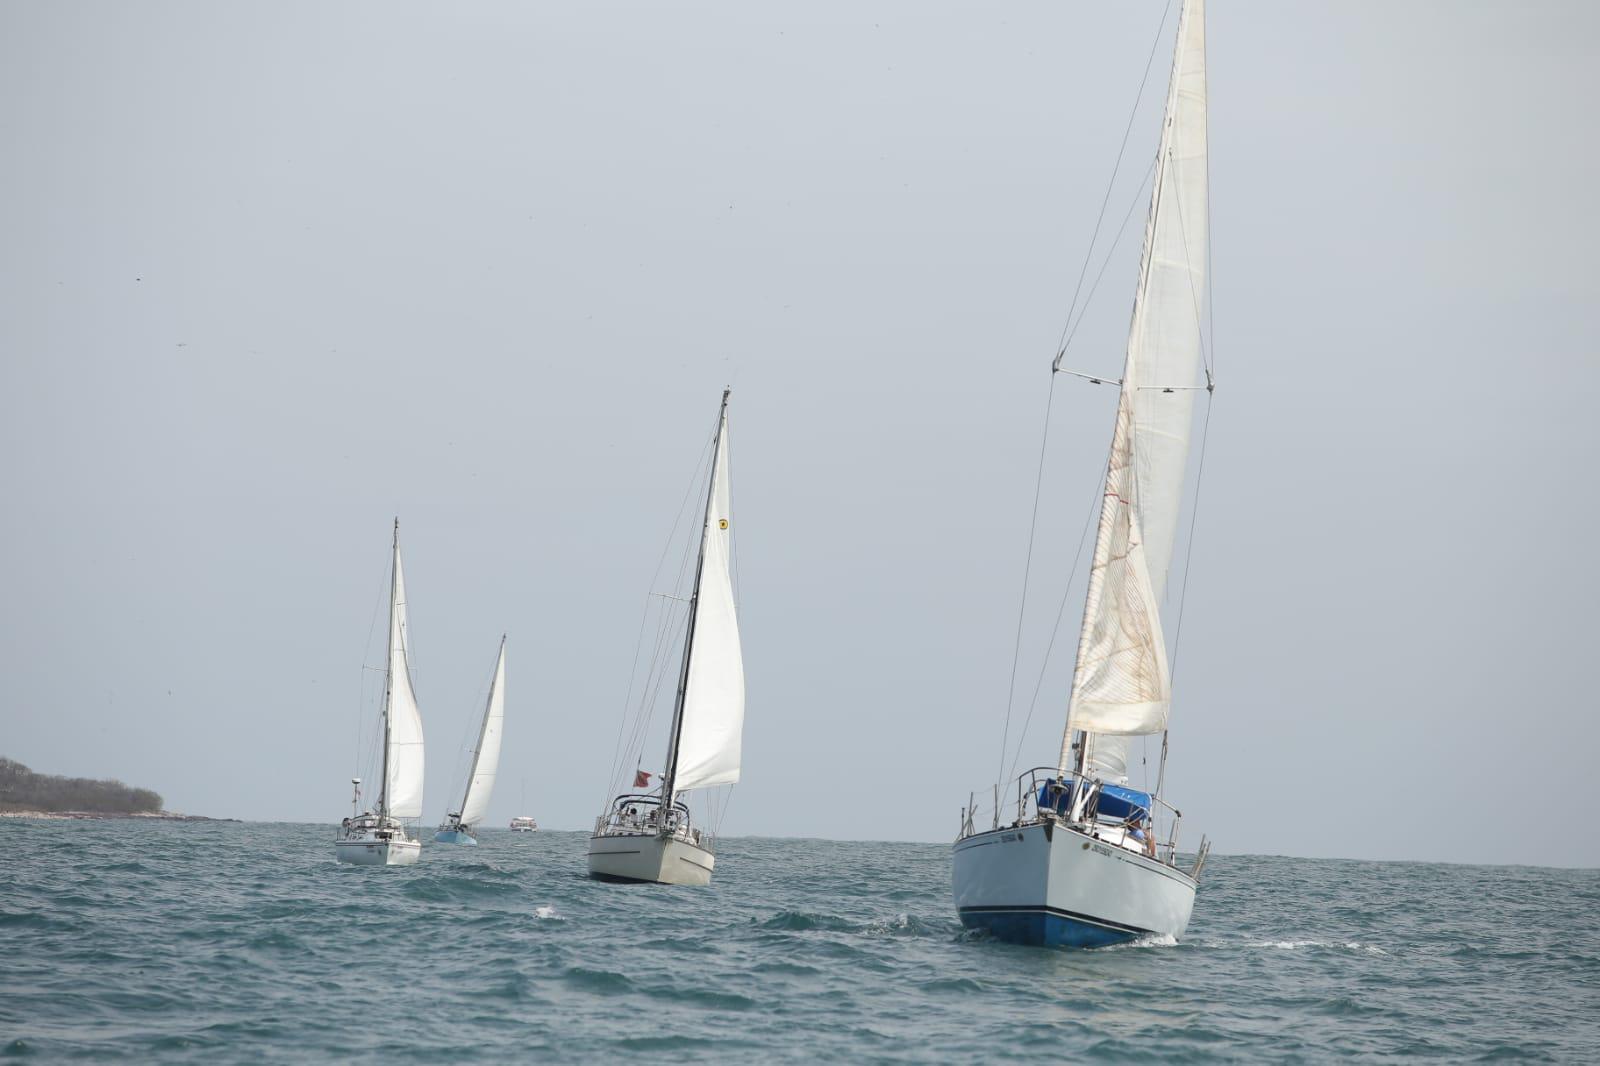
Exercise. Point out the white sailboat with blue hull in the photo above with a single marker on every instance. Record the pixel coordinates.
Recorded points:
(460, 826)
(1084, 859)
(379, 837)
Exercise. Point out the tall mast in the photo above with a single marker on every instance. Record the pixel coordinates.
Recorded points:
(669, 779)
(477, 750)
(388, 671)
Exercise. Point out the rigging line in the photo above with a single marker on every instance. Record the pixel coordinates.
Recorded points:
(627, 702)
(656, 676)
(361, 710)
(660, 662)
(1066, 594)
(1188, 554)
(1088, 254)
(1027, 568)
(1138, 198)
(618, 754)
(648, 694)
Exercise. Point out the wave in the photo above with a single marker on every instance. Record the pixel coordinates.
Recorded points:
(1292, 945)
(898, 925)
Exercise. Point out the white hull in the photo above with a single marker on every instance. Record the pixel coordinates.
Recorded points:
(642, 857)
(1047, 884)
(378, 852)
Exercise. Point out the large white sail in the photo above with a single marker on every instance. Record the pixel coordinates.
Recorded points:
(1121, 686)
(487, 757)
(712, 725)
(402, 789)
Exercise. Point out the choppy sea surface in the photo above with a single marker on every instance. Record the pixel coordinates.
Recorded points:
(227, 942)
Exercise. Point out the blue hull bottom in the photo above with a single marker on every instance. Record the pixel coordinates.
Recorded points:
(453, 836)
(1045, 927)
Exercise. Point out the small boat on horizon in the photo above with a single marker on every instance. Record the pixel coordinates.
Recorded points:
(648, 836)
(524, 823)
(458, 827)
(378, 837)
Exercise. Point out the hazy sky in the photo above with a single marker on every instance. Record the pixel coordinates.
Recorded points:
(274, 274)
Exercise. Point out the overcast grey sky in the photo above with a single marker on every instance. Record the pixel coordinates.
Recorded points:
(274, 274)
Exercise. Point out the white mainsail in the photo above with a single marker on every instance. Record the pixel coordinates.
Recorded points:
(1121, 686)
(402, 786)
(712, 716)
(486, 759)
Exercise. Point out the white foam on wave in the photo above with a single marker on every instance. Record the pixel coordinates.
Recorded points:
(1162, 940)
(889, 926)
(1290, 945)
(545, 911)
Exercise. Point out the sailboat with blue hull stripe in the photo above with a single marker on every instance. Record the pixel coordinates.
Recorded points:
(459, 826)
(1082, 859)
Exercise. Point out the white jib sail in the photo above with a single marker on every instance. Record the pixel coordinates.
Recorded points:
(1117, 690)
(403, 789)
(710, 734)
(487, 757)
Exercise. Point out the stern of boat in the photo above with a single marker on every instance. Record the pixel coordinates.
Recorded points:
(364, 841)
(631, 844)
(1083, 881)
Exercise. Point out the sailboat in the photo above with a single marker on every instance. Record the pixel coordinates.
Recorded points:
(378, 837)
(458, 827)
(524, 823)
(1089, 860)
(648, 836)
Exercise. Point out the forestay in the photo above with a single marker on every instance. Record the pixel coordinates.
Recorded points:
(1121, 685)
(487, 757)
(712, 722)
(402, 791)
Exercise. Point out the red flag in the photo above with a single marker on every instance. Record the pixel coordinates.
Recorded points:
(641, 779)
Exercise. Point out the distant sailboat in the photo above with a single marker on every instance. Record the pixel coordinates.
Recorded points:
(524, 823)
(1088, 860)
(378, 837)
(647, 836)
(458, 827)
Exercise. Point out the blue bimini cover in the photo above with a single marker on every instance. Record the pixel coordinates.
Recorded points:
(1116, 801)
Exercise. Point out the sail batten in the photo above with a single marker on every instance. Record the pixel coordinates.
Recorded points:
(711, 724)
(486, 757)
(1121, 683)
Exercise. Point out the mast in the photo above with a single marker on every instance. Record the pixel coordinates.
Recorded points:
(388, 672)
(483, 729)
(669, 779)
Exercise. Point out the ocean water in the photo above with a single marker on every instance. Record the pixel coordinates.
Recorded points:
(228, 942)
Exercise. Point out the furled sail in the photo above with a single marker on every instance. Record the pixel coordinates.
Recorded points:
(486, 759)
(402, 787)
(1121, 684)
(712, 716)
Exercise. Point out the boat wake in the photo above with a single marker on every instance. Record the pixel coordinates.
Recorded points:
(1354, 947)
